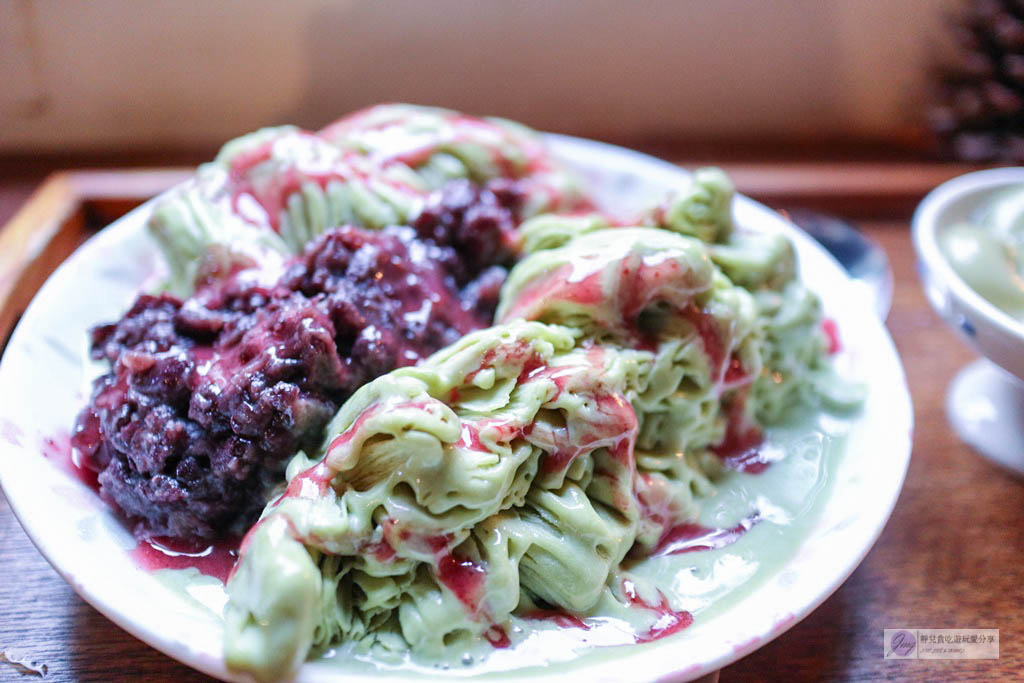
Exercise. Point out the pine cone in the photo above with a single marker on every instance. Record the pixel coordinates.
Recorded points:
(979, 110)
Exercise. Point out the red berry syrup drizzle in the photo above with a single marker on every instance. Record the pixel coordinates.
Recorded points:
(216, 559)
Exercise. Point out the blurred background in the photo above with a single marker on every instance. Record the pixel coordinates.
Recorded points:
(850, 77)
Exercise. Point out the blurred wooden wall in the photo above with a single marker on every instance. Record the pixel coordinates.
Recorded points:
(123, 74)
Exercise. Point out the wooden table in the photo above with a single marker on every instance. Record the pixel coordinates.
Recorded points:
(951, 555)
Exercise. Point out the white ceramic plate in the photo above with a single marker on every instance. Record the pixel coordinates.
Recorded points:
(42, 387)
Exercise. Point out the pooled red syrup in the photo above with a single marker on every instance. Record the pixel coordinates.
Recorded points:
(58, 449)
(831, 330)
(216, 560)
(464, 578)
(669, 620)
(689, 538)
(751, 461)
(740, 449)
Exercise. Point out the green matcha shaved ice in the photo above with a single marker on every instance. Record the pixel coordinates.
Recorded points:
(702, 210)
(550, 231)
(200, 239)
(276, 189)
(272, 622)
(441, 145)
(524, 467)
(987, 250)
(500, 468)
(520, 465)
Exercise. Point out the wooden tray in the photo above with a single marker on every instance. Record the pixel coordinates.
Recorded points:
(62, 213)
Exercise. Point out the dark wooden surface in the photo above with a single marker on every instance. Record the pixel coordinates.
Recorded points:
(951, 556)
